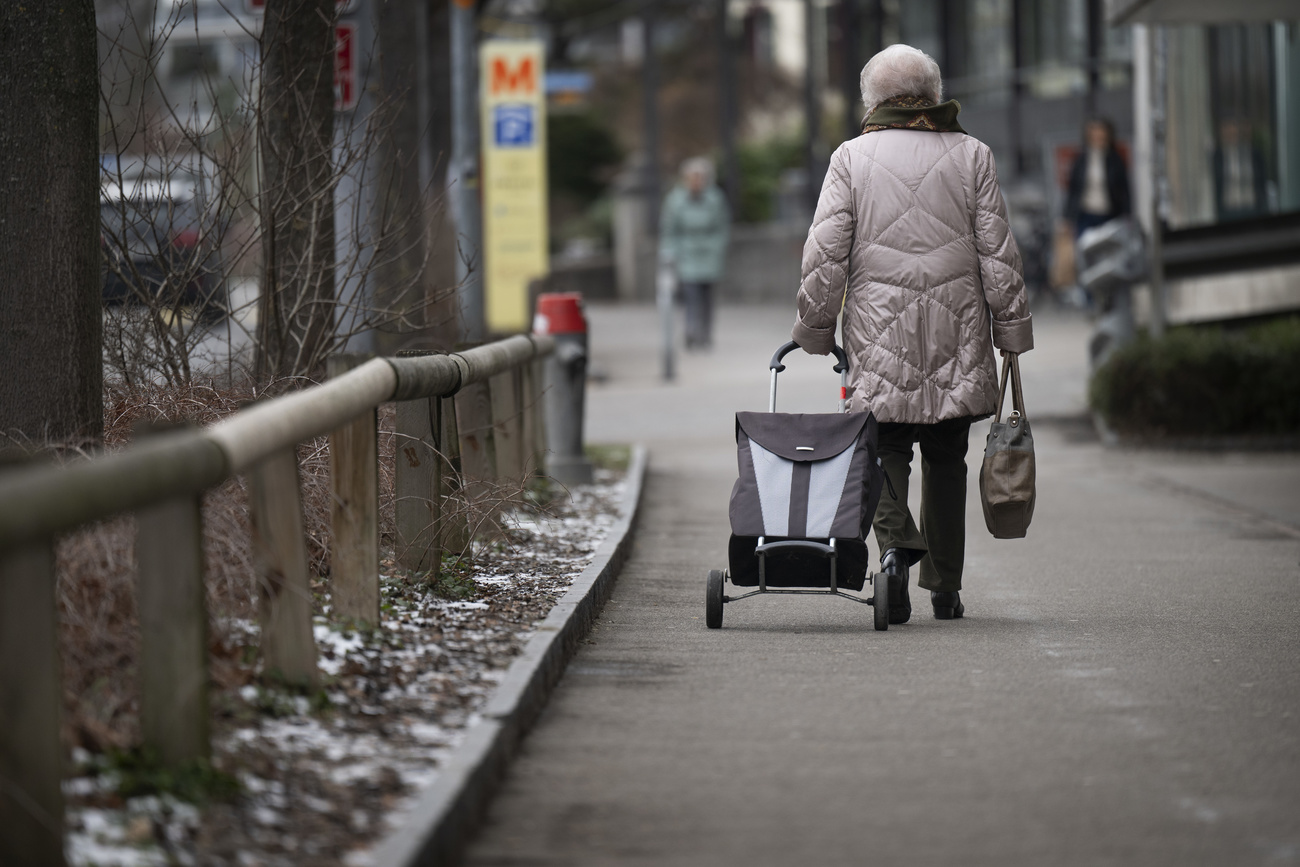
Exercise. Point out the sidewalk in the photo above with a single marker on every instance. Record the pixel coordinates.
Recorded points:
(1123, 689)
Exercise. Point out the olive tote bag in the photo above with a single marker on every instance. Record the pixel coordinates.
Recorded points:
(1007, 478)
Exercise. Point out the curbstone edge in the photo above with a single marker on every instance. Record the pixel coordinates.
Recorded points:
(446, 815)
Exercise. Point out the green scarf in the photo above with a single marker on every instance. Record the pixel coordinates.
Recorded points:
(914, 112)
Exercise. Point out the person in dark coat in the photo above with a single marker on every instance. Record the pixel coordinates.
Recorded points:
(1098, 189)
(1240, 175)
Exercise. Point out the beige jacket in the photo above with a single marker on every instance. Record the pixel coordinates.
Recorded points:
(911, 238)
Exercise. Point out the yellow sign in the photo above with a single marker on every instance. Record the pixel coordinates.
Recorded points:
(515, 243)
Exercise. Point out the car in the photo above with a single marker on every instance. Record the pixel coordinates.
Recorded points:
(159, 236)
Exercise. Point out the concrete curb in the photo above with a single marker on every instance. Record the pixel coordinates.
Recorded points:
(448, 812)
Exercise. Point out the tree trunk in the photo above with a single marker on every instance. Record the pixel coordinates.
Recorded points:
(51, 373)
(296, 116)
(443, 312)
(405, 174)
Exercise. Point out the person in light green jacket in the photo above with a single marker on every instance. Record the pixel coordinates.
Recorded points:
(693, 228)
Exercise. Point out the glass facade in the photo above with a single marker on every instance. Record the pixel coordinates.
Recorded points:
(920, 24)
(1232, 152)
(1054, 45)
(991, 56)
(976, 43)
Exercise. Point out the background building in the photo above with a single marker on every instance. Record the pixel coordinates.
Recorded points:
(1218, 130)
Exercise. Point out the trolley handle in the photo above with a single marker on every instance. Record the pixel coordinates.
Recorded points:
(841, 367)
(841, 360)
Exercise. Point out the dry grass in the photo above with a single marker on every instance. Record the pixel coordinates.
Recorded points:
(96, 566)
(329, 768)
(99, 629)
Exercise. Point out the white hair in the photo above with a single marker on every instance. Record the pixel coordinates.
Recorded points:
(900, 70)
(701, 165)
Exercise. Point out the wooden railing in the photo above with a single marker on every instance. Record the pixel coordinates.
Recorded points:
(494, 390)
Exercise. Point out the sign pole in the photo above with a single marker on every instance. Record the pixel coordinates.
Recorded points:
(354, 195)
(665, 290)
(1158, 57)
(650, 115)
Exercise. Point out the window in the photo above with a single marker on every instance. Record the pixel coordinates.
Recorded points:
(921, 27)
(1232, 149)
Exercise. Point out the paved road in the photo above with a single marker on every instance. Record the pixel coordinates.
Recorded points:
(1124, 689)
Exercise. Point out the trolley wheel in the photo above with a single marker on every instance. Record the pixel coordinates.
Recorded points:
(713, 600)
(880, 581)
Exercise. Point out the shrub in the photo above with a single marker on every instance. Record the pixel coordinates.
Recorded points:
(760, 166)
(1204, 381)
(582, 155)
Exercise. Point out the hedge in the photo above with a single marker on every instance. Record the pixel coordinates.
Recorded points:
(1204, 381)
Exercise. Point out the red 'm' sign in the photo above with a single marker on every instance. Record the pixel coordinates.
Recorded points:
(522, 79)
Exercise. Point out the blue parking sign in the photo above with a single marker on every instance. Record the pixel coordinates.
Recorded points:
(513, 125)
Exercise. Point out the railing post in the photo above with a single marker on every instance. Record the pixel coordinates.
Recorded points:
(284, 586)
(31, 705)
(478, 459)
(419, 483)
(535, 414)
(454, 534)
(354, 510)
(504, 389)
(174, 714)
(527, 419)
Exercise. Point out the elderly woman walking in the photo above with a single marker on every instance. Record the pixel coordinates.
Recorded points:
(693, 229)
(910, 240)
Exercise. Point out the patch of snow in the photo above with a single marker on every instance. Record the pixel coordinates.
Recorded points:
(102, 838)
(397, 702)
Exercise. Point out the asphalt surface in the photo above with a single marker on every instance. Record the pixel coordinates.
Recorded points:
(1124, 688)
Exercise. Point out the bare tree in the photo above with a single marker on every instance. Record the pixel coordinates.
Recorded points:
(50, 369)
(296, 114)
(189, 210)
(406, 161)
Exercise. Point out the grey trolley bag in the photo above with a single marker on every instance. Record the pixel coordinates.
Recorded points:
(803, 505)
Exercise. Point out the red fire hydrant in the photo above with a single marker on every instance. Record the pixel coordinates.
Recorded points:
(560, 315)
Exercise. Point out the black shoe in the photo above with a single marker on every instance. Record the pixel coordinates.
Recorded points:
(947, 606)
(894, 564)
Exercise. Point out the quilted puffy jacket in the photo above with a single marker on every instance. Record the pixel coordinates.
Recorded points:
(911, 238)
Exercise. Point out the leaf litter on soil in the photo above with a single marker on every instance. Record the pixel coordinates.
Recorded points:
(312, 779)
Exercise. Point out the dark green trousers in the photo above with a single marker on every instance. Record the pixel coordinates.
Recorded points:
(939, 543)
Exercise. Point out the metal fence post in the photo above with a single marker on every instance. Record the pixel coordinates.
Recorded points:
(284, 585)
(31, 707)
(354, 510)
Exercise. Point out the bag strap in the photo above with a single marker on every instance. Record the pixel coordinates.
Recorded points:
(1017, 391)
(1011, 369)
(1002, 390)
